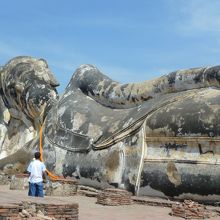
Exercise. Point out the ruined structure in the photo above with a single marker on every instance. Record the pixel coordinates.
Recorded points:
(159, 137)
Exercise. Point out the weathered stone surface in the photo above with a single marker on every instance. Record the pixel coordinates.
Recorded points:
(61, 188)
(19, 182)
(159, 137)
(4, 179)
(27, 92)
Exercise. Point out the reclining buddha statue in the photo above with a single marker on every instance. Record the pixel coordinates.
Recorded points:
(159, 137)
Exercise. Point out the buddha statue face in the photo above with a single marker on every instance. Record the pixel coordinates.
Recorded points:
(28, 86)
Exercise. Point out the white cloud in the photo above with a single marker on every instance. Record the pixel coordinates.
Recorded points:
(199, 15)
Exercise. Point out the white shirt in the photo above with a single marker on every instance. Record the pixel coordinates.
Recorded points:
(36, 169)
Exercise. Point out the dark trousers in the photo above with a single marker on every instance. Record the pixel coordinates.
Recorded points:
(36, 189)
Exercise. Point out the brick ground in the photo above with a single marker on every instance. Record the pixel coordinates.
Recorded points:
(89, 210)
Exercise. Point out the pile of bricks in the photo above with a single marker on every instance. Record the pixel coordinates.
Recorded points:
(62, 187)
(9, 211)
(57, 211)
(39, 211)
(87, 191)
(114, 197)
(190, 210)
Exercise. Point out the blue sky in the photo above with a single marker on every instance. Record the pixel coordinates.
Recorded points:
(128, 40)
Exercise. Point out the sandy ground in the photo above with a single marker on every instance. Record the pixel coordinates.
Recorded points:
(89, 210)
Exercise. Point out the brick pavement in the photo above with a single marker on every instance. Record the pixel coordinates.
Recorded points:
(89, 210)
